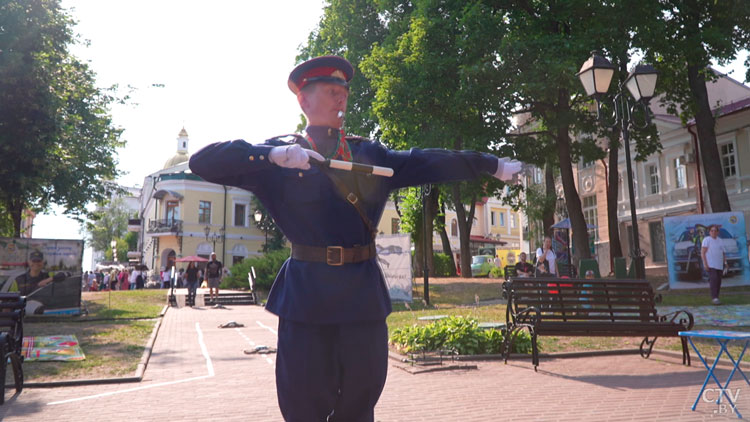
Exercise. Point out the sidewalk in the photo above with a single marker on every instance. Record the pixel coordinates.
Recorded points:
(199, 372)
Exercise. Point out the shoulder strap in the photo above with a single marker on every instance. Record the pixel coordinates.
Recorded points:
(352, 198)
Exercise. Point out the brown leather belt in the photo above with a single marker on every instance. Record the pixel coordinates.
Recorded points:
(334, 255)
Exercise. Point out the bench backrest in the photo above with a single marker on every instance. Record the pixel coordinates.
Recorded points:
(12, 313)
(571, 300)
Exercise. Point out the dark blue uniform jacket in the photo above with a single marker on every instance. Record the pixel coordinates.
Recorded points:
(309, 211)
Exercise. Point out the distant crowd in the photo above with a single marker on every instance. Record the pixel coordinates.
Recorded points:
(132, 279)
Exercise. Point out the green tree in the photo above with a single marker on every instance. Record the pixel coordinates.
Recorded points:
(545, 46)
(109, 222)
(436, 86)
(275, 239)
(682, 41)
(56, 134)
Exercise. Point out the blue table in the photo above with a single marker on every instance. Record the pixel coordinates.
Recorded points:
(722, 338)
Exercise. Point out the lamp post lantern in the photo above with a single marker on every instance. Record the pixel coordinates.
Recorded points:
(214, 237)
(596, 75)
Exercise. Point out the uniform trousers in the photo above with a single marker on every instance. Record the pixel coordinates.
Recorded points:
(330, 372)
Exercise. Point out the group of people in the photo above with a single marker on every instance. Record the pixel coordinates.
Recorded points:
(113, 280)
(544, 265)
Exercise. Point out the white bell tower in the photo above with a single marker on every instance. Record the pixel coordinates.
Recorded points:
(182, 142)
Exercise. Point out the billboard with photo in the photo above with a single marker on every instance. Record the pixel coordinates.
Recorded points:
(684, 236)
(394, 257)
(46, 271)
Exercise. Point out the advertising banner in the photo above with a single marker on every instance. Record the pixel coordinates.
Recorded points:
(394, 257)
(684, 236)
(46, 271)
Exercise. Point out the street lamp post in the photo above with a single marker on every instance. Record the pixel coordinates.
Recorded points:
(596, 75)
(425, 192)
(214, 237)
(258, 218)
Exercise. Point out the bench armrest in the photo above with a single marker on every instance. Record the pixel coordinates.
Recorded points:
(685, 318)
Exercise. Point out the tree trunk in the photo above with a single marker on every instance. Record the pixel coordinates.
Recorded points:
(15, 208)
(613, 229)
(704, 121)
(446, 241)
(464, 230)
(572, 200)
(548, 218)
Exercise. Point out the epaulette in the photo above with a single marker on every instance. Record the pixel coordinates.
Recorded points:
(292, 138)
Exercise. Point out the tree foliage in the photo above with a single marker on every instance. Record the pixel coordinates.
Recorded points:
(109, 222)
(688, 35)
(56, 134)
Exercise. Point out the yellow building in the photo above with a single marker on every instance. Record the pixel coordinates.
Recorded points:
(182, 215)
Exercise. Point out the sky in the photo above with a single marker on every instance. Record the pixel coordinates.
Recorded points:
(219, 71)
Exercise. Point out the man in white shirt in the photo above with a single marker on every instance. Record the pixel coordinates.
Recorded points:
(714, 260)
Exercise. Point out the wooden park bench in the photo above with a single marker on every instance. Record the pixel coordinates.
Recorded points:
(589, 308)
(12, 312)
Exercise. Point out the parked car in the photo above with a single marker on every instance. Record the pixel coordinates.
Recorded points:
(688, 264)
(481, 265)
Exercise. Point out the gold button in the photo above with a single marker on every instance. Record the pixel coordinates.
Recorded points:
(262, 157)
(252, 158)
(300, 174)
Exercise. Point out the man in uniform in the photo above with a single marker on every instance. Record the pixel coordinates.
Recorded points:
(331, 296)
(213, 277)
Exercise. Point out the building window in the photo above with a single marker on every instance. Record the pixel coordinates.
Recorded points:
(239, 215)
(454, 227)
(653, 179)
(204, 212)
(658, 242)
(727, 160)
(680, 173)
(237, 259)
(502, 218)
(394, 225)
(512, 221)
(538, 176)
(173, 211)
(587, 164)
(590, 215)
(493, 219)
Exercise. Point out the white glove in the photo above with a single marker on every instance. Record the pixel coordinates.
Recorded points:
(506, 169)
(293, 156)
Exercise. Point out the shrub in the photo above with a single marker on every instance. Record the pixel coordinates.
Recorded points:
(443, 266)
(457, 333)
(266, 268)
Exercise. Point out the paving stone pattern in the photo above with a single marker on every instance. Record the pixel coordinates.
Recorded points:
(178, 385)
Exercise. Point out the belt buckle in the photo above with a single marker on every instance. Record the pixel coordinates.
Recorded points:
(335, 255)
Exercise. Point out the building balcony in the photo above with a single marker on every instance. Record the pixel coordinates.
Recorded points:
(134, 224)
(168, 225)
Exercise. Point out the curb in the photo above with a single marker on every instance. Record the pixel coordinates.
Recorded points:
(119, 380)
(498, 357)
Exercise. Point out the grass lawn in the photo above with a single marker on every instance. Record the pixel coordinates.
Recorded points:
(457, 296)
(112, 341)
